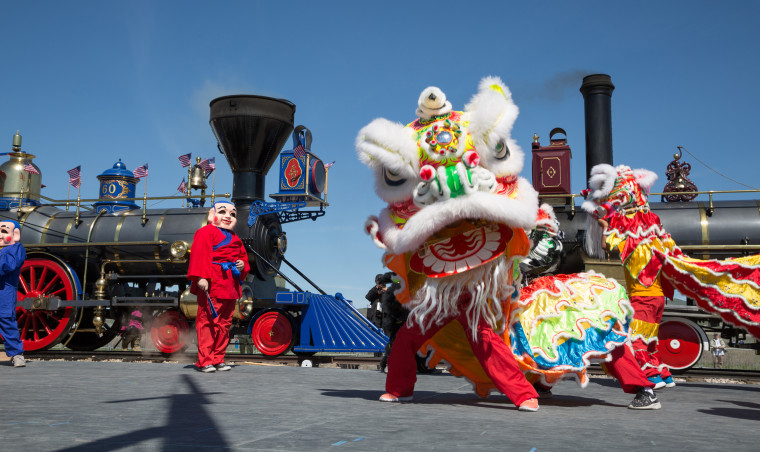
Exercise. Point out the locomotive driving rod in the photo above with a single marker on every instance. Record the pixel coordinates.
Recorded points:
(277, 270)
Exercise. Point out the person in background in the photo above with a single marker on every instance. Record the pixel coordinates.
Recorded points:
(374, 296)
(394, 315)
(718, 348)
(12, 257)
(133, 331)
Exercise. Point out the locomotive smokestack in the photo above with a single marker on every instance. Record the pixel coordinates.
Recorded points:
(597, 95)
(251, 131)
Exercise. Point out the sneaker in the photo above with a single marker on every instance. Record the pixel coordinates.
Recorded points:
(18, 361)
(658, 382)
(529, 405)
(669, 383)
(206, 369)
(395, 399)
(645, 400)
(222, 367)
(543, 392)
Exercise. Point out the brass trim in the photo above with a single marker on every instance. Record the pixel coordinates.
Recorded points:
(116, 234)
(705, 227)
(46, 228)
(559, 163)
(68, 230)
(721, 247)
(157, 249)
(22, 219)
(87, 244)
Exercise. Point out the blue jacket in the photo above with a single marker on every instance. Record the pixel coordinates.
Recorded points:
(11, 259)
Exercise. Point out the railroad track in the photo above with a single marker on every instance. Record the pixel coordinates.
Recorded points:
(347, 361)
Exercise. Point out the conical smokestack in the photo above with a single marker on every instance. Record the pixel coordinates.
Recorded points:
(597, 96)
(251, 131)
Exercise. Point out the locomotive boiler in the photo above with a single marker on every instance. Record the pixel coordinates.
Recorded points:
(702, 229)
(89, 265)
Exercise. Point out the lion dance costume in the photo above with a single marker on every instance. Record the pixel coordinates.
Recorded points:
(454, 232)
(655, 266)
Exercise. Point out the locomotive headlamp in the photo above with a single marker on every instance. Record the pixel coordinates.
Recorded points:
(179, 249)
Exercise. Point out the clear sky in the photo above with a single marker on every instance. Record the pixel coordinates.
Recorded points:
(89, 82)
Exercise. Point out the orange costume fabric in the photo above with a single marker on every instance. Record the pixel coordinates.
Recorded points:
(224, 289)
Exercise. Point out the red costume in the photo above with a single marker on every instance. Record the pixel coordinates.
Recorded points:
(212, 248)
(489, 349)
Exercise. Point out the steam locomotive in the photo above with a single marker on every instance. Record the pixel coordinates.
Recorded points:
(89, 266)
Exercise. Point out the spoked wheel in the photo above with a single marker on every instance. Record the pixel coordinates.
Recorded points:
(85, 338)
(169, 332)
(681, 343)
(272, 332)
(40, 277)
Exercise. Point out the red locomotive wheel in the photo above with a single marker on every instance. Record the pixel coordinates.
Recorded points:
(169, 332)
(272, 332)
(680, 343)
(39, 329)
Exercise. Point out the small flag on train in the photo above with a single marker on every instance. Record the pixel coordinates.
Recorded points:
(75, 176)
(141, 171)
(327, 165)
(28, 167)
(299, 152)
(184, 160)
(182, 186)
(208, 165)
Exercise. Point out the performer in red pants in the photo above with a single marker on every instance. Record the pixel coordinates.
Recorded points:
(617, 200)
(218, 264)
(490, 350)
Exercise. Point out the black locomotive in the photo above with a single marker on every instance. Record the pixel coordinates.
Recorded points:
(90, 265)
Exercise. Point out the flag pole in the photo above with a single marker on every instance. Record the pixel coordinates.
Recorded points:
(213, 184)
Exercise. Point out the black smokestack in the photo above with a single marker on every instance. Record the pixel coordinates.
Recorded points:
(597, 96)
(251, 131)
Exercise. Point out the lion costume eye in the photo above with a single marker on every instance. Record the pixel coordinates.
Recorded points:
(502, 150)
(392, 178)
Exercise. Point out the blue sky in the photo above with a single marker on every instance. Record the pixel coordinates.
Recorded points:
(89, 82)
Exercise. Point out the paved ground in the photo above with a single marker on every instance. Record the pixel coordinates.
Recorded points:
(103, 406)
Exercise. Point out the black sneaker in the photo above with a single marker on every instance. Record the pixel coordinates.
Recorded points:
(645, 400)
(543, 392)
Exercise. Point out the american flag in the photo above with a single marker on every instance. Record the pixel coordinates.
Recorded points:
(208, 165)
(327, 165)
(75, 176)
(141, 171)
(299, 152)
(28, 167)
(184, 160)
(182, 186)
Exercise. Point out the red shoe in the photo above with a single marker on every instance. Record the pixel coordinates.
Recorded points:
(529, 405)
(395, 399)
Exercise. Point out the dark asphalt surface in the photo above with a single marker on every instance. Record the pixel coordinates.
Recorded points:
(104, 406)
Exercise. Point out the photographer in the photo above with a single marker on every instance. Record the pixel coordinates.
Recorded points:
(374, 296)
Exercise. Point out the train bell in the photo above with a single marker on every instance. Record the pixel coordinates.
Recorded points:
(198, 176)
